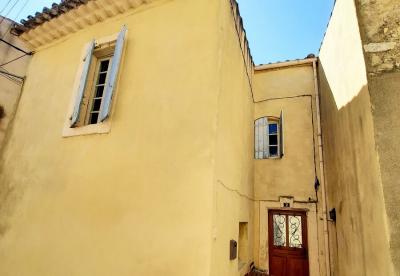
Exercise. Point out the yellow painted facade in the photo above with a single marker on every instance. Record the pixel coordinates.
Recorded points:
(291, 90)
(170, 178)
(135, 201)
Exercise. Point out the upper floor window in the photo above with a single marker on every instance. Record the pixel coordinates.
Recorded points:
(95, 100)
(98, 79)
(268, 134)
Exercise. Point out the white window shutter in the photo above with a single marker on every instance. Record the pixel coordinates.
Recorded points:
(256, 143)
(87, 60)
(112, 78)
(258, 139)
(265, 133)
(261, 138)
(281, 137)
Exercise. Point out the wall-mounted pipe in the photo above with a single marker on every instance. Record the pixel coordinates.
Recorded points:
(322, 172)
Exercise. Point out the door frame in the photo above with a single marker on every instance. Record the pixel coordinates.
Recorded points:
(288, 251)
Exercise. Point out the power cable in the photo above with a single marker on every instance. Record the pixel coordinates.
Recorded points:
(8, 2)
(12, 77)
(6, 76)
(12, 7)
(4, 72)
(17, 58)
(15, 47)
(16, 16)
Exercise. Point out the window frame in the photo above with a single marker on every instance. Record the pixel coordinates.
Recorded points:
(274, 120)
(102, 44)
(92, 90)
(265, 135)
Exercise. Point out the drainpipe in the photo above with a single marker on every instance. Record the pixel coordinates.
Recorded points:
(321, 167)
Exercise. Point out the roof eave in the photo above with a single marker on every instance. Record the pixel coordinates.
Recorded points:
(289, 63)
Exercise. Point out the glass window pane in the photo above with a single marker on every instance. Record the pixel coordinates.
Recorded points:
(99, 91)
(295, 233)
(279, 230)
(273, 128)
(102, 78)
(96, 105)
(273, 150)
(93, 118)
(104, 65)
(273, 140)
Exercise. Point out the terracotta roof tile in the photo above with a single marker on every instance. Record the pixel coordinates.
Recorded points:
(47, 14)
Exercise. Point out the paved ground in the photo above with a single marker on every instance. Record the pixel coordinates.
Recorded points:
(257, 273)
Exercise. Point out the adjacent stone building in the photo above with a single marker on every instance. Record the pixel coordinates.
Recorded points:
(147, 142)
(14, 60)
(359, 109)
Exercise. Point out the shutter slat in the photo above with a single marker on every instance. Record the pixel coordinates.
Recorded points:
(112, 79)
(256, 147)
(266, 138)
(82, 84)
(261, 139)
(281, 137)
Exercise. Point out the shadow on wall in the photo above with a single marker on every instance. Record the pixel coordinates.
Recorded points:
(8, 198)
(2, 112)
(353, 181)
(7, 192)
(385, 98)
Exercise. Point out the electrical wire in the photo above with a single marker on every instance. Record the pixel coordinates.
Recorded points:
(12, 7)
(17, 58)
(4, 72)
(9, 77)
(1, 11)
(16, 16)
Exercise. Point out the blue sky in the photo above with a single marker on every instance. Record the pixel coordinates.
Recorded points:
(23, 8)
(277, 30)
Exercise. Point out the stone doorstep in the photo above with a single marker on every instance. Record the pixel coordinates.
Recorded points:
(256, 273)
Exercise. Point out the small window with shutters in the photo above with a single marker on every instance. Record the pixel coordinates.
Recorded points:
(96, 83)
(93, 99)
(268, 137)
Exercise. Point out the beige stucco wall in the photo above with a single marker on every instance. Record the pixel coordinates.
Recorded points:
(10, 90)
(294, 174)
(380, 28)
(385, 98)
(289, 89)
(283, 82)
(139, 200)
(359, 239)
(233, 176)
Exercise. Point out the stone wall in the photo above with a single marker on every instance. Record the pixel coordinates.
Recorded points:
(359, 239)
(379, 23)
(380, 27)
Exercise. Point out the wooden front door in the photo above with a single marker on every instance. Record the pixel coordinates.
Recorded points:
(287, 242)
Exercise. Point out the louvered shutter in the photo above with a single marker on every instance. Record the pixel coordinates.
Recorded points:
(256, 140)
(281, 137)
(261, 138)
(265, 133)
(112, 79)
(87, 60)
